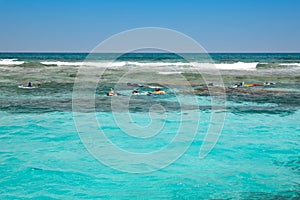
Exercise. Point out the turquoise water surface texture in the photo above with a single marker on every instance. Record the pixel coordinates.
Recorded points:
(44, 154)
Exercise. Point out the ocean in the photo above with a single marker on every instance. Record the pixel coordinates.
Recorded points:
(227, 126)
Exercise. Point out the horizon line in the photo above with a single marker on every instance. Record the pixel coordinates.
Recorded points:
(212, 52)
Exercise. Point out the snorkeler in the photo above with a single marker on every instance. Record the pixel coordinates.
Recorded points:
(269, 83)
(135, 92)
(238, 85)
(111, 92)
(158, 91)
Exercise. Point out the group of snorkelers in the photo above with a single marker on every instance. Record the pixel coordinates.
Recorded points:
(243, 84)
(157, 91)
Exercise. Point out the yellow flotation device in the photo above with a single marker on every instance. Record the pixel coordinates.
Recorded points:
(159, 92)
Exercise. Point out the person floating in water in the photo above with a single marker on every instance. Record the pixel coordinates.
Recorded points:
(30, 85)
(111, 92)
(135, 92)
(239, 85)
(269, 83)
(158, 91)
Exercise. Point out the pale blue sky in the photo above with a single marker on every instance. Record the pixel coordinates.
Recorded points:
(218, 25)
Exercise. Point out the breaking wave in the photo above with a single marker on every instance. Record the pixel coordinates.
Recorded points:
(11, 62)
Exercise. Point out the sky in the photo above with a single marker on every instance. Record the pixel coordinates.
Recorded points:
(218, 25)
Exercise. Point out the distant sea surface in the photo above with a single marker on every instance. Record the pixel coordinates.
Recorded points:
(257, 155)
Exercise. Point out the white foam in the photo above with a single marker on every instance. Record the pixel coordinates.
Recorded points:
(290, 64)
(225, 66)
(10, 62)
(166, 73)
(94, 64)
(237, 66)
(60, 63)
(220, 66)
(158, 64)
(115, 64)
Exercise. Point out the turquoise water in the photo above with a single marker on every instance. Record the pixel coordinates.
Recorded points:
(257, 155)
(42, 155)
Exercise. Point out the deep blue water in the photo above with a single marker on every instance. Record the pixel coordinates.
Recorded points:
(217, 57)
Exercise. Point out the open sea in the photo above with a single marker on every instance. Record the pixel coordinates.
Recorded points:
(64, 138)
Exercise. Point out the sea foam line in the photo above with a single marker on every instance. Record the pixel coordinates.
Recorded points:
(11, 62)
(220, 66)
(237, 66)
(95, 64)
(290, 64)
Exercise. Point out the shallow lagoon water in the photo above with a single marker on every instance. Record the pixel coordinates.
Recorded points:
(42, 156)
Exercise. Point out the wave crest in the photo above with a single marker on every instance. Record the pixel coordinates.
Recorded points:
(11, 62)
